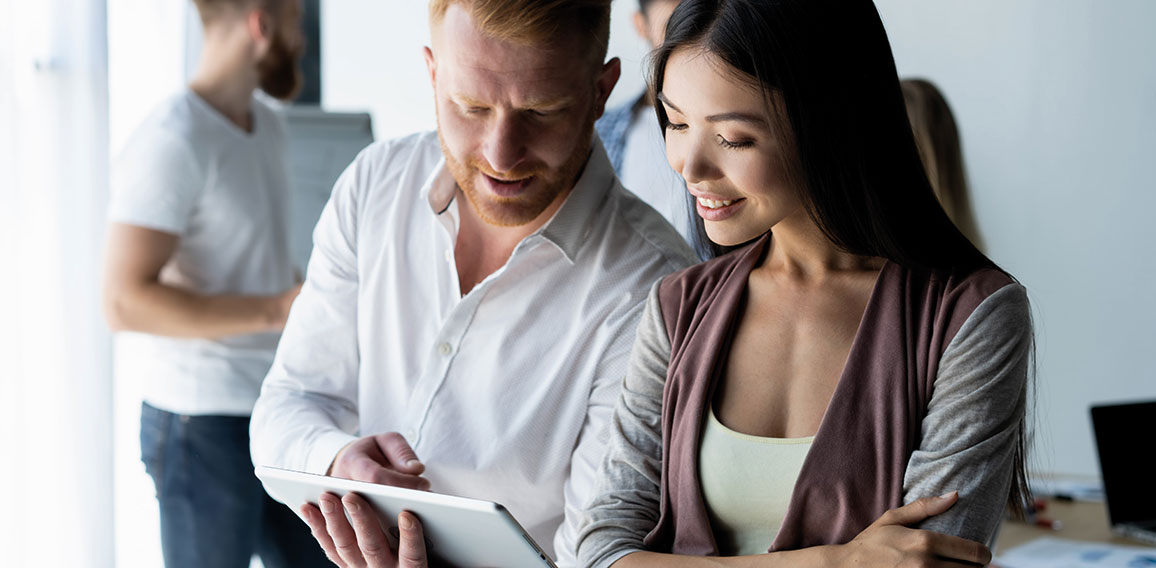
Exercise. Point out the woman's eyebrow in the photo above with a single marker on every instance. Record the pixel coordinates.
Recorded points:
(666, 101)
(754, 119)
(739, 117)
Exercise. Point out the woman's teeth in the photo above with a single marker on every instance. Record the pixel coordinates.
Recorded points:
(712, 204)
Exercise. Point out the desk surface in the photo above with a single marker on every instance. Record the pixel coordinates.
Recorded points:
(1081, 520)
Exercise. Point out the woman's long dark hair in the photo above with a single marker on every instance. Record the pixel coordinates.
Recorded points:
(826, 65)
(830, 62)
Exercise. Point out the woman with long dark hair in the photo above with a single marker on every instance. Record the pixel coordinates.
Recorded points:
(847, 385)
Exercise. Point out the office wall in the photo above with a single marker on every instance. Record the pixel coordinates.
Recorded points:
(1056, 100)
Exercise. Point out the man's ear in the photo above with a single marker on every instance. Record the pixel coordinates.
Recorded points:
(431, 66)
(260, 28)
(606, 81)
(640, 26)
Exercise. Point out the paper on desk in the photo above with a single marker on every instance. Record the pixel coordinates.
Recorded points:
(1051, 552)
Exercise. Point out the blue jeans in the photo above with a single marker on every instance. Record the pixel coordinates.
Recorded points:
(214, 511)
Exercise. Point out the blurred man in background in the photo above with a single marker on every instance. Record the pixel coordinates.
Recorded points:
(198, 280)
(634, 141)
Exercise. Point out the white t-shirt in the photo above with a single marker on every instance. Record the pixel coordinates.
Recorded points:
(189, 171)
(647, 173)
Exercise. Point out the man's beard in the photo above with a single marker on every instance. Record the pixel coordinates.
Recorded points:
(278, 74)
(543, 190)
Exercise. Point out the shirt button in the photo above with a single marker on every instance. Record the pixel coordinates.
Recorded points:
(410, 435)
(445, 349)
(449, 255)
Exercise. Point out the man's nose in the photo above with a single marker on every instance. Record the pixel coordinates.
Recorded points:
(505, 145)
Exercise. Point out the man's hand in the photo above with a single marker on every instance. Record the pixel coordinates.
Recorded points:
(385, 459)
(363, 544)
(889, 541)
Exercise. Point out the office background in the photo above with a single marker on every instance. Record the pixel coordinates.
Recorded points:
(1056, 101)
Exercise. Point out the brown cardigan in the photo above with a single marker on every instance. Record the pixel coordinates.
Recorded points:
(854, 471)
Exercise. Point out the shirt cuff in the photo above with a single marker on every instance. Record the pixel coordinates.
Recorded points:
(324, 449)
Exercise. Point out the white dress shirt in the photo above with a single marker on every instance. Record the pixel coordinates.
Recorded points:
(504, 393)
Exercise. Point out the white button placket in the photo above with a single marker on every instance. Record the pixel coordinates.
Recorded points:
(440, 358)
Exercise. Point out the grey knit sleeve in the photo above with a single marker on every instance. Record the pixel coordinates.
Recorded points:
(624, 505)
(973, 421)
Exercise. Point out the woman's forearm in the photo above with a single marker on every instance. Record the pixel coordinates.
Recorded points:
(818, 556)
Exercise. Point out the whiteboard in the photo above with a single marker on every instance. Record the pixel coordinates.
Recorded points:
(321, 145)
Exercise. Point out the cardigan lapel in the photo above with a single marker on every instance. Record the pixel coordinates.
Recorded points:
(701, 340)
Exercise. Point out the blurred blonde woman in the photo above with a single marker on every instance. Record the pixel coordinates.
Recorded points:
(937, 138)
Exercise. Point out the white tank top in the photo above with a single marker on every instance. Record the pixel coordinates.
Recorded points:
(747, 483)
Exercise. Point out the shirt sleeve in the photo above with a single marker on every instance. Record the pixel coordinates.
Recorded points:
(592, 440)
(307, 410)
(625, 500)
(974, 419)
(156, 182)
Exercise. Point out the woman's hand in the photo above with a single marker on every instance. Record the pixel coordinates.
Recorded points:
(363, 544)
(890, 542)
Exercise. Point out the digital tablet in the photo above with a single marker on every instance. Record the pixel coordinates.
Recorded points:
(458, 531)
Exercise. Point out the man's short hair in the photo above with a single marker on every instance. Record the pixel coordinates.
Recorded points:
(644, 5)
(210, 10)
(536, 21)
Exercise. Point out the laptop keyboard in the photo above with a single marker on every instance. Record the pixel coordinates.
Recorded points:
(1137, 533)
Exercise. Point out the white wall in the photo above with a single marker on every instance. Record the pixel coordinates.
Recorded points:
(56, 409)
(1056, 101)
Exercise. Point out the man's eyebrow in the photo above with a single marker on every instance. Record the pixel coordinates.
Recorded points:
(722, 117)
(533, 104)
(468, 100)
(549, 102)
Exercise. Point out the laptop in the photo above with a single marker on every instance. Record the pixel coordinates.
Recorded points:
(1124, 441)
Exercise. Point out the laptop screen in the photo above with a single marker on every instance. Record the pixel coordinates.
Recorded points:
(1124, 440)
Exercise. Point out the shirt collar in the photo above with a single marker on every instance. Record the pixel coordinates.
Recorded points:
(439, 188)
(569, 226)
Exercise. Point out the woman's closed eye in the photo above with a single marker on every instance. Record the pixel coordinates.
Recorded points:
(737, 144)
